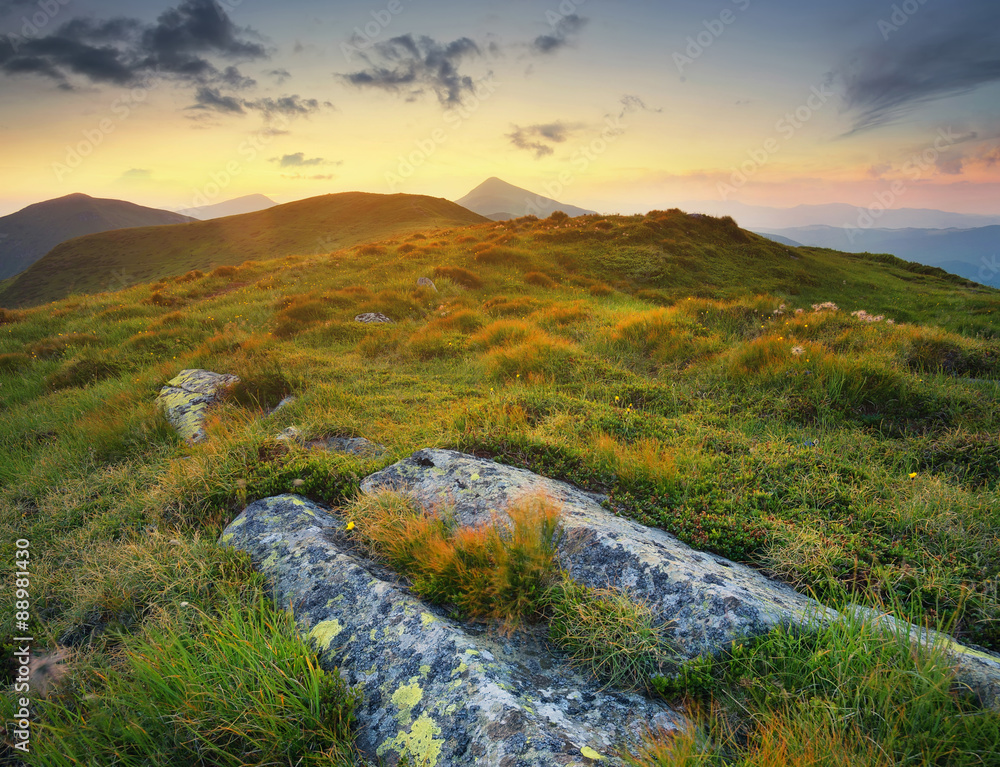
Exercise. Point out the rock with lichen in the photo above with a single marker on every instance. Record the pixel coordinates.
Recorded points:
(711, 601)
(435, 691)
(186, 398)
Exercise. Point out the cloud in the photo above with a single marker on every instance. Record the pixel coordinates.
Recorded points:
(540, 138)
(299, 176)
(208, 99)
(564, 32)
(411, 66)
(632, 103)
(280, 75)
(886, 81)
(298, 160)
(136, 174)
(122, 51)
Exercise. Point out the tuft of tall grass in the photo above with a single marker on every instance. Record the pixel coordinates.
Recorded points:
(496, 572)
(459, 276)
(231, 687)
(610, 635)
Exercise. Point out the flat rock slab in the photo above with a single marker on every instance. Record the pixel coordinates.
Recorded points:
(711, 601)
(434, 691)
(186, 398)
(352, 445)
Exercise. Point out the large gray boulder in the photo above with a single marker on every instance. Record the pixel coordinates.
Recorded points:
(711, 601)
(434, 691)
(185, 400)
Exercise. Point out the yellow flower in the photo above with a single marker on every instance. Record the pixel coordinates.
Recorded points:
(913, 474)
(350, 525)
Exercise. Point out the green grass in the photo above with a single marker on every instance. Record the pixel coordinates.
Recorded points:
(323, 224)
(853, 692)
(856, 460)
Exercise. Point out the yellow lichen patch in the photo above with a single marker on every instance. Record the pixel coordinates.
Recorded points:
(227, 537)
(325, 632)
(238, 521)
(424, 671)
(419, 745)
(590, 753)
(269, 562)
(426, 619)
(405, 698)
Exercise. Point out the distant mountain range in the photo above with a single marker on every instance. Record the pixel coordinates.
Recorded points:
(114, 259)
(756, 217)
(970, 253)
(498, 200)
(250, 203)
(30, 233)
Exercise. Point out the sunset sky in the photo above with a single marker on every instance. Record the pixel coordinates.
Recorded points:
(618, 106)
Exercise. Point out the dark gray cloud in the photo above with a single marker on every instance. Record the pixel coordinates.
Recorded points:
(411, 66)
(181, 44)
(937, 57)
(564, 33)
(209, 99)
(541, 137)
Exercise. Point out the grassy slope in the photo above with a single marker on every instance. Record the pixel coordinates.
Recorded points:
(641, 356)
(35, 230)
(317, 225)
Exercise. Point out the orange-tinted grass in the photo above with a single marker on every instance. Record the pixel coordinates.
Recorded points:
(496, 572)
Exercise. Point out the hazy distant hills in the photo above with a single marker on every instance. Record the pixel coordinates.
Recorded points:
(250, 203)
(30, 233)
(757, 217)
(498, 200)
(111, 260)
(970, 253)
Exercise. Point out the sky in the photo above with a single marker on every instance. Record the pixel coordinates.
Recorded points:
(621, 106)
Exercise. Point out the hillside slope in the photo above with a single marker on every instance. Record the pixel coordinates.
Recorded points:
(498, 200)
(971, 253)
(741, 395)
(316, 225)
(30, 233)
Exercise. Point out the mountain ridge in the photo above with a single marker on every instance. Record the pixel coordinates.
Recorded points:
(28, 234)
(499, 200)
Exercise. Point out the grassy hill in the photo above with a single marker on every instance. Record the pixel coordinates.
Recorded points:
(745, 396)
(111, 260)
(30, 233)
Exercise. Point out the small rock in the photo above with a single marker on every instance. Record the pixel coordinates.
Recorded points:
(370, 317)
(186, 398)
(353, 445)
(425, 282)
(291, 434)
(283, 404)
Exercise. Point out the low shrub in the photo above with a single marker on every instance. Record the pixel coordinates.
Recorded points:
(511, 306)
(223, 271)
(81, 372)
(540, 358)
(7, 316)
(540, 279)
(194, 274)
(600, 290)
(503, 333)
(461, 276)
(54, 346)
(162, 299)
(262, 384)
(14, 362)
(498, 255)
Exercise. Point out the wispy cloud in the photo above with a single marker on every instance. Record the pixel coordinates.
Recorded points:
(955, 54)
(541, 138)
(212, 100)
(564, 33)
(299, 160)
(412, 66)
